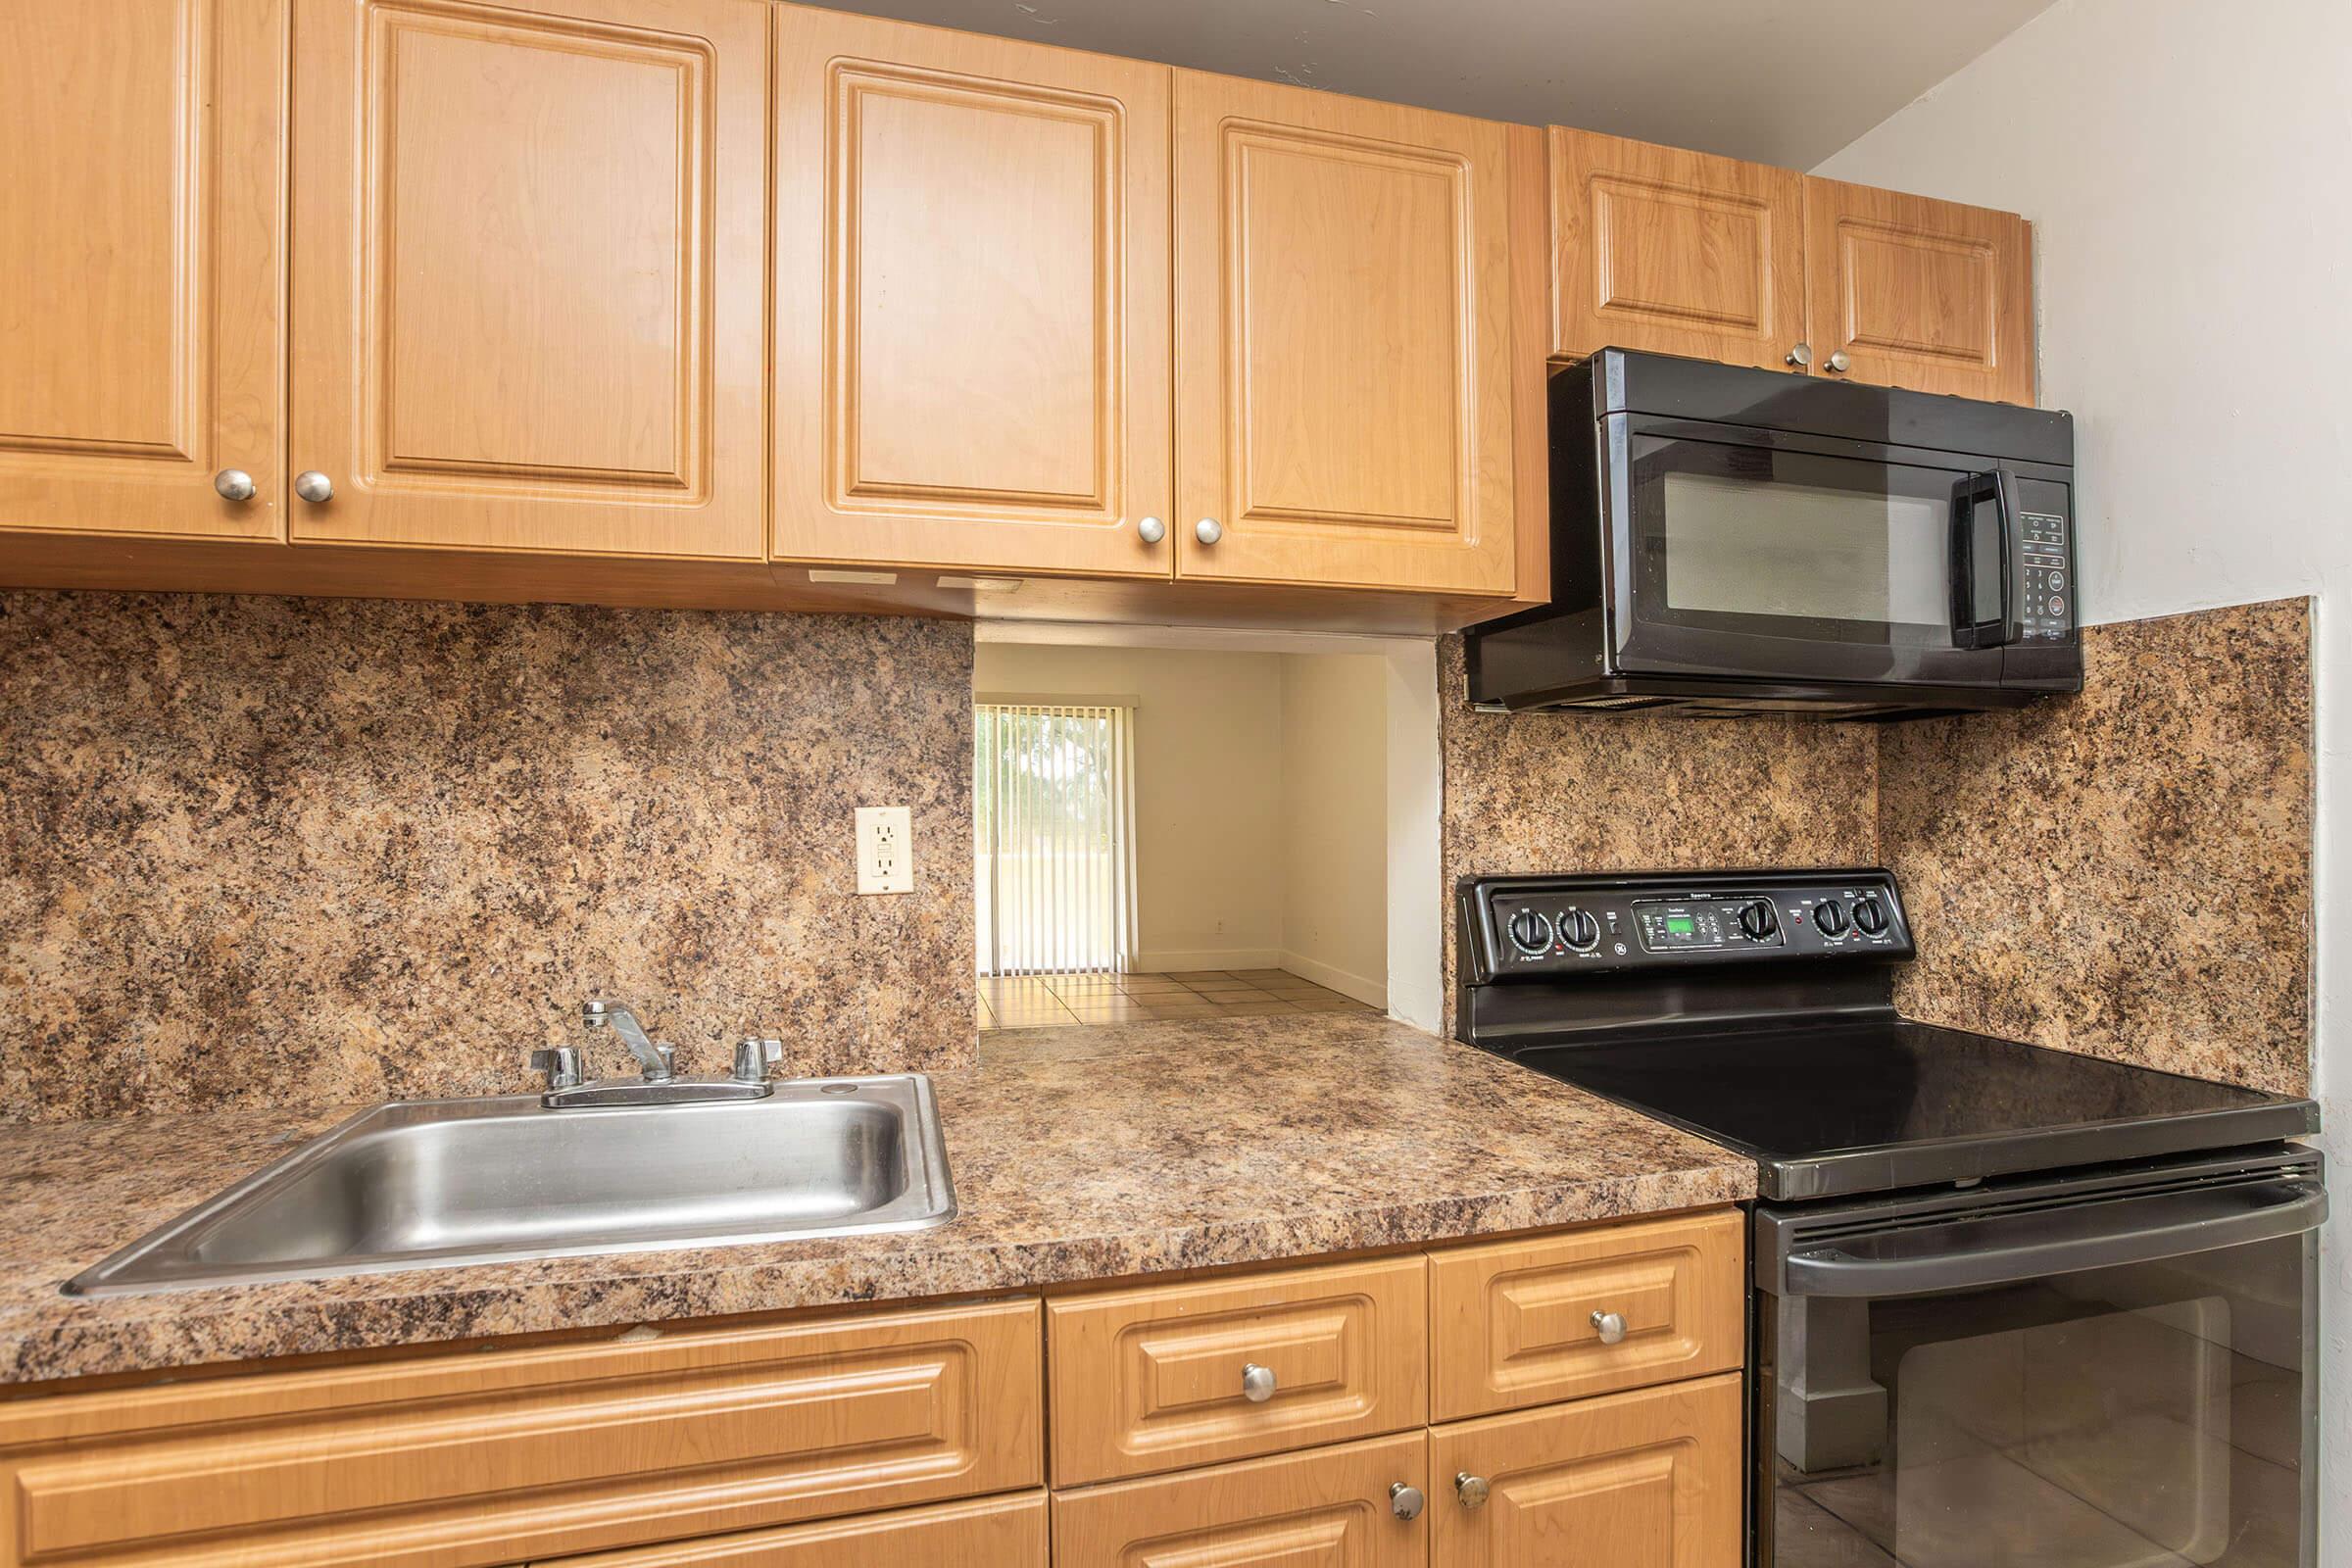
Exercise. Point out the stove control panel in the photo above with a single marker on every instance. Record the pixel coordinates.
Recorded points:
(1544, 927)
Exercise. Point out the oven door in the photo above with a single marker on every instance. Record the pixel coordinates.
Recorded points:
(1757, 553)
(2117, 1374)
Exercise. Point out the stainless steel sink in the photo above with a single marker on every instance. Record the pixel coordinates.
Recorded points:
(430, 1183)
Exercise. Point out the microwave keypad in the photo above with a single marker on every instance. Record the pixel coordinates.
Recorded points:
(2050, 589)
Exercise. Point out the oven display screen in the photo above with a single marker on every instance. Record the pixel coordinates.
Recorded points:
(1666, 927)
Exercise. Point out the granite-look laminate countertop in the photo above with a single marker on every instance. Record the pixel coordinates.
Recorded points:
(1078, 1153)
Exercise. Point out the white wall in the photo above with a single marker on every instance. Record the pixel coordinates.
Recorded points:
(1335, 822)
(2185, 165)
(1209, 747)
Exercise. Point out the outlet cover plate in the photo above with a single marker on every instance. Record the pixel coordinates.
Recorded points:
(885, 849)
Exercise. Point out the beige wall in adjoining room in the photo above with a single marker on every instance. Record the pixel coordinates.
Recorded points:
(1335, 822)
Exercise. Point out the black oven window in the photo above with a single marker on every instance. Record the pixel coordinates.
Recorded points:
(2117, 1418)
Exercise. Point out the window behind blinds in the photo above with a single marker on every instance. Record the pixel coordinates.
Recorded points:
(1053, 841)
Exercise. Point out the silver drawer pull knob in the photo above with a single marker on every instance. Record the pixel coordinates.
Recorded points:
(1208, 531)
(1801, 355)
(1405, 1501)
(1837, 360)
(233, 484)
(1258, 1383)
(1610, 1326)
(1472, 1489)
(314, 487)
(1151, 530)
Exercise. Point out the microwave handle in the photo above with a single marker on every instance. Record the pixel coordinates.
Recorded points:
(1967, 630)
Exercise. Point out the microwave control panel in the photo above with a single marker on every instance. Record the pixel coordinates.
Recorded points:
(1551, 926)
(2045, 573)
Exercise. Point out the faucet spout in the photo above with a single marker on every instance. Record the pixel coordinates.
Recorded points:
(652, 1061)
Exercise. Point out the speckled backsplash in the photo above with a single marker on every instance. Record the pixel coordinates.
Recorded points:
(284, 850)
(2126, 873)
(1559, 792)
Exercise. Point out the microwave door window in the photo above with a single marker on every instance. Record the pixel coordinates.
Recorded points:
(1759, 542)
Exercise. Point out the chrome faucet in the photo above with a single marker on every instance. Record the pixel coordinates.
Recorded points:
(658, 1083)
(654, 1061)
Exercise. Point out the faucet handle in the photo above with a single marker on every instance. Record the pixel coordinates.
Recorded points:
(755, 1056)
(561, 1064)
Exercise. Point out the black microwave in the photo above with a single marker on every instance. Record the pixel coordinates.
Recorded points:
(1737, 542)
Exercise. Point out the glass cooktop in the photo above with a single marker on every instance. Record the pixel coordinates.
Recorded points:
(1837, 1109)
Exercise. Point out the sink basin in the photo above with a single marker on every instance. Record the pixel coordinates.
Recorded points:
(427, 1182)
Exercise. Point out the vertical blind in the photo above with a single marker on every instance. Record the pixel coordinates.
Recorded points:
(1053, 846)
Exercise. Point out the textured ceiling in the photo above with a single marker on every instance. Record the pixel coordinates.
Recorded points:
(1782, 81)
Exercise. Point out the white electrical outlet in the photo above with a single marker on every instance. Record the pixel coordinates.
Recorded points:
(885, 850)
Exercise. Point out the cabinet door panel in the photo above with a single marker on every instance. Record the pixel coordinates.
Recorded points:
(993, 1533)
(1650, 1479)
(141, 240)
(1343, 331)
(528, 289)
(1513, 1321)
(1325, 1509)
(1922, 294)
(1675, 252)
(971, 301)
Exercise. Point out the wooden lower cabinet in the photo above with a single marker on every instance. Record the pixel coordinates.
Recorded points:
(1328, 1505)
(993, 1532)
(1163, 1377)
(1643, 1480)
(491, 1459)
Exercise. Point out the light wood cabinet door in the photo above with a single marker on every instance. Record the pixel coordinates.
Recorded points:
(1917, 293)
(993, 1533)
(972, 316)
(1176, 1375)
(1326, 1507)
(1343, 341)
(529, 275)
(1529, 1322)
(1675, 252)
(484, 1458)
(142, 234)
(1651, 1477)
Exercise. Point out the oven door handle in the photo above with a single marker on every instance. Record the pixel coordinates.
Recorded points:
(1967, 495)
(1967, 1254)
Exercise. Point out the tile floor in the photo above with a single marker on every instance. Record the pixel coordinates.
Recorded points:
(1039, 1001)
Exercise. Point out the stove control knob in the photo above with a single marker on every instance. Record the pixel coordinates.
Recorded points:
(1579, 930)
(1829, 916)
(1758, 919)
(1529, 932)
(1870, 917)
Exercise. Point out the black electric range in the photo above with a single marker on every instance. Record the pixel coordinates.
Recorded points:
(1982, 1272)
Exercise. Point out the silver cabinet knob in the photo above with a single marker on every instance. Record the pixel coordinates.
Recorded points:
(233, 484)
(1258, 1383)
(1801, 355)
(1208, 530)
(1405, 1501)
(313, 486)
(1472, 1489)
(1837, 360)
(1610, 1326)
(1151, 530)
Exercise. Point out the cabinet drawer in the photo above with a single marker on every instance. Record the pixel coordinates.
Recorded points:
(493, 1457)
(995, 1533)
(1153, 1379)
(1515, 1322)
(1651, 1476)
(1328, 1506)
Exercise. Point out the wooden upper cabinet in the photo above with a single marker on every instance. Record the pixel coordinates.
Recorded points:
(141, 240)
(1674, 252)
(971, 240)
(528, 290)
(1343, 341)
(1922, 294)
